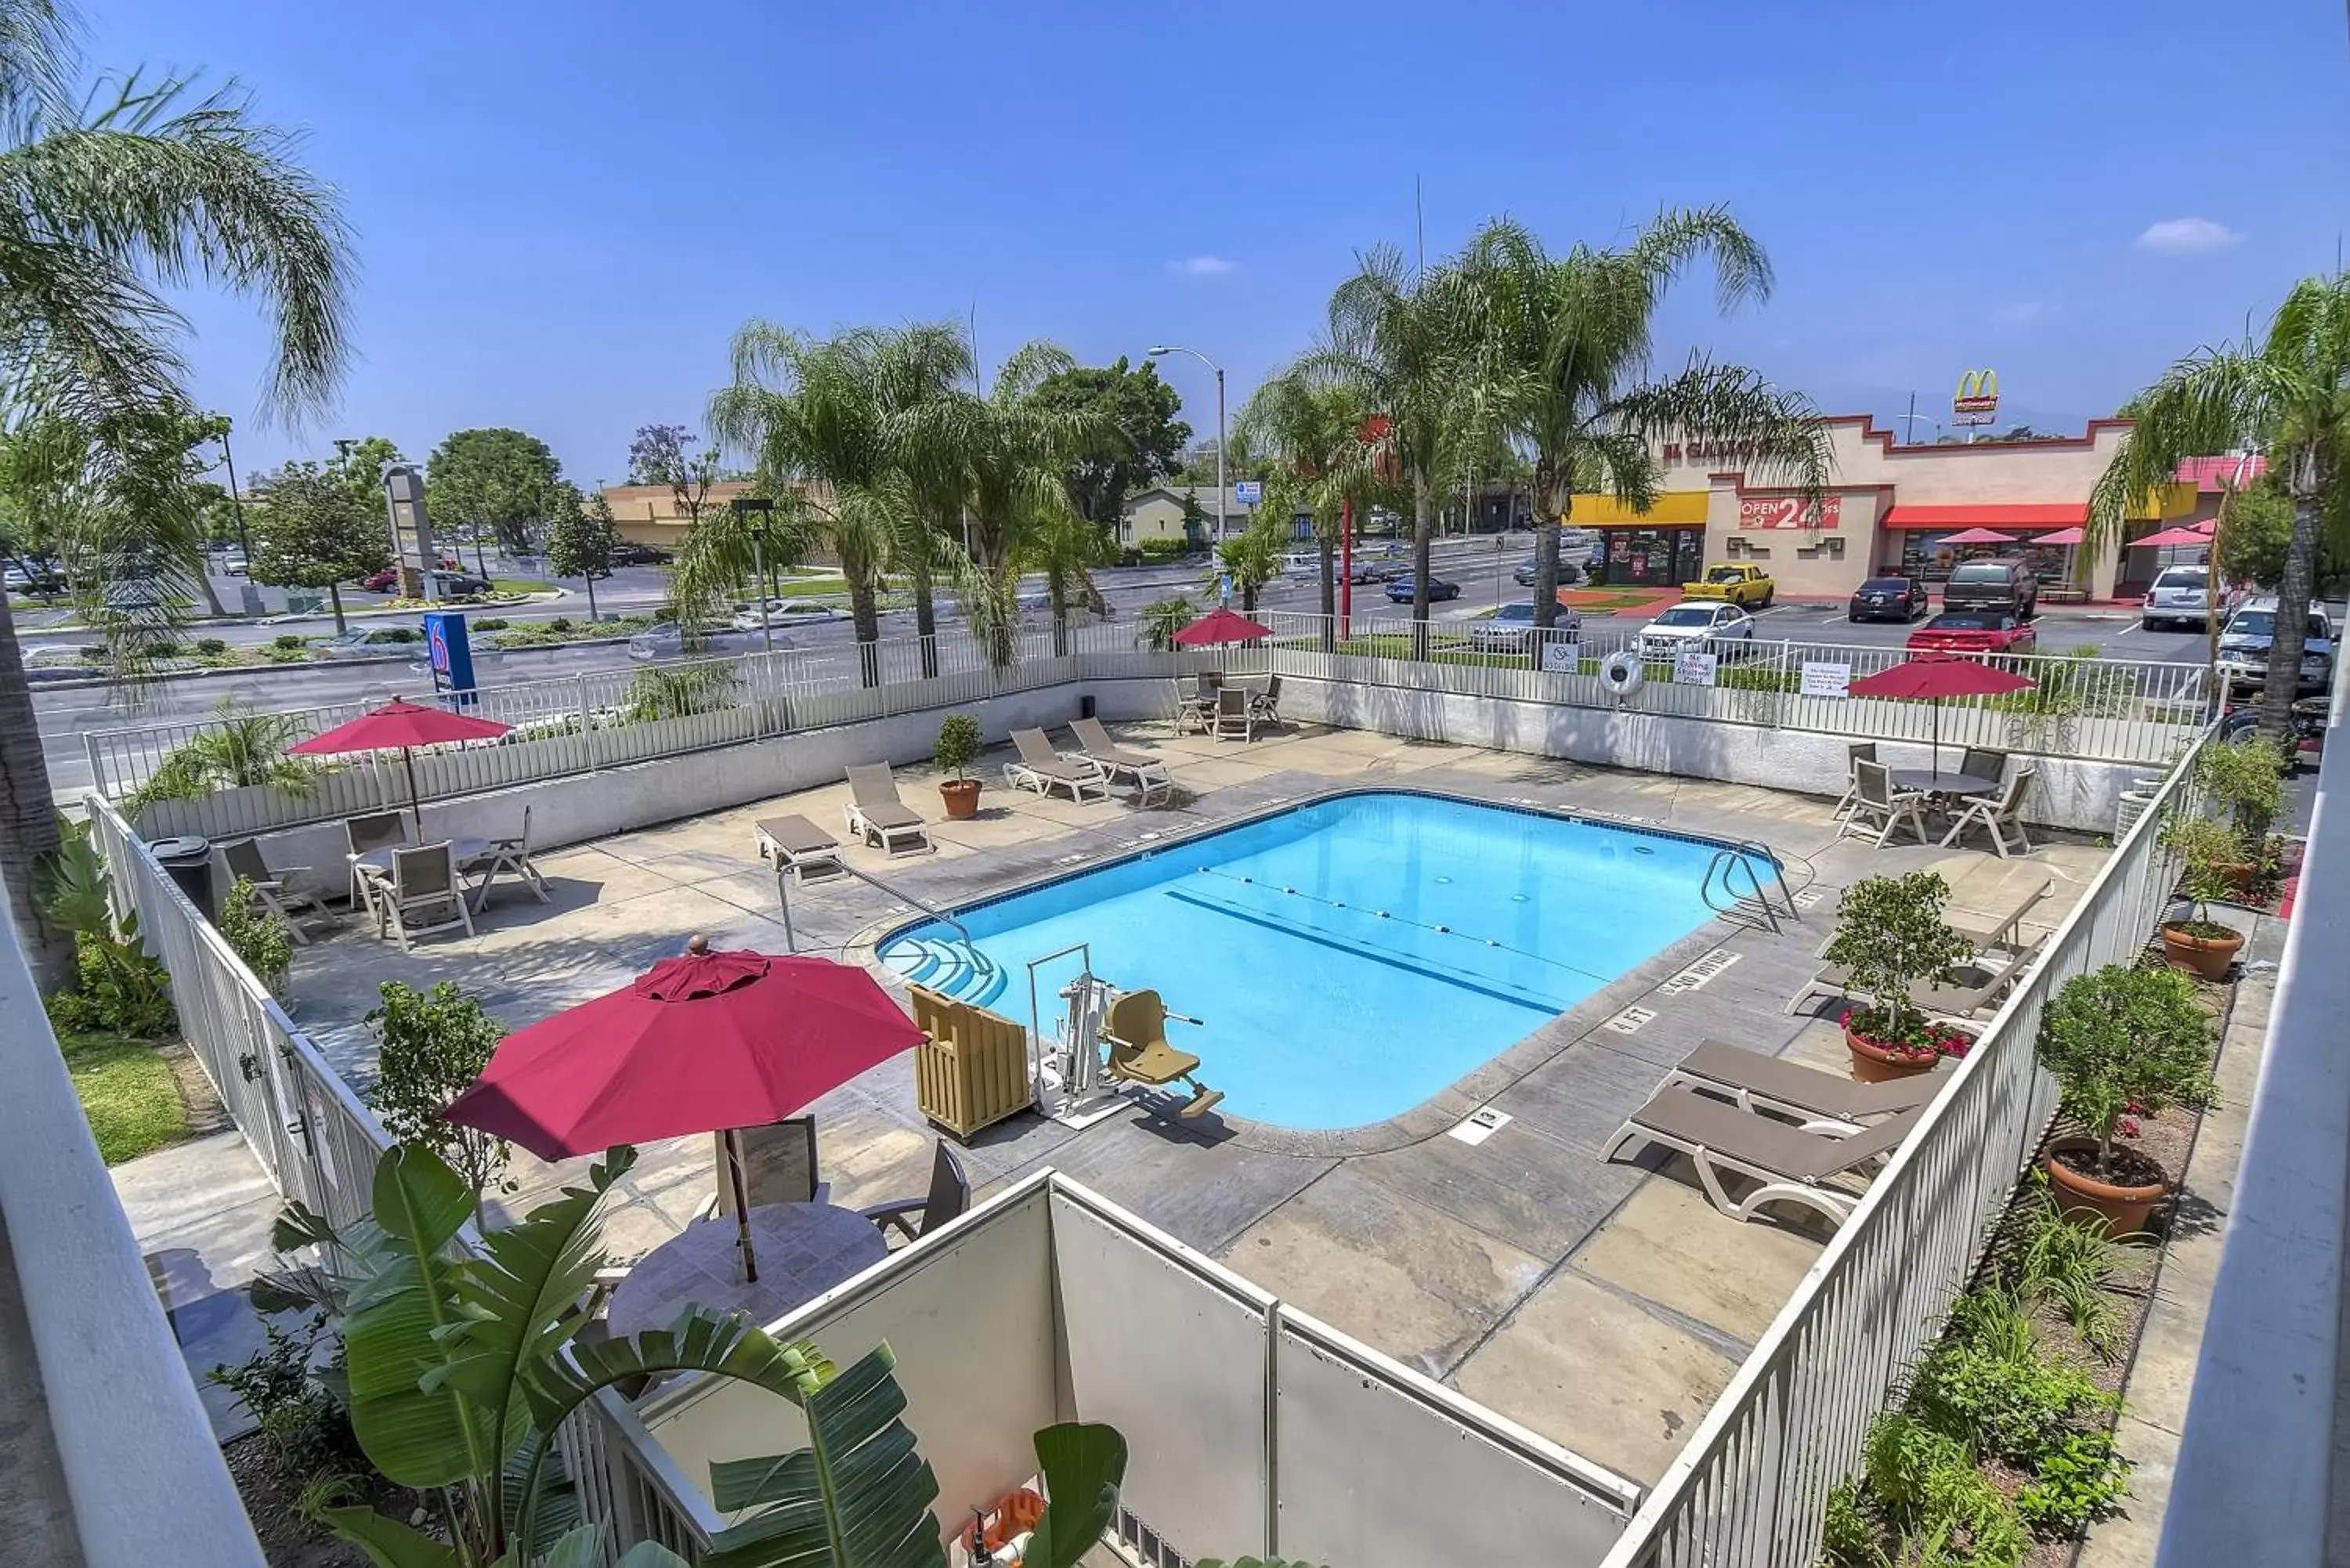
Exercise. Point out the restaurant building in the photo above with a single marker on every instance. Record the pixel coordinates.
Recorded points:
(1892, 508)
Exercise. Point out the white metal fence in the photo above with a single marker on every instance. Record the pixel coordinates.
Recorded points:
(2102, 710)
(1751, 1489)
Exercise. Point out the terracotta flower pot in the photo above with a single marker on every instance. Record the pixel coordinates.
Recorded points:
(2207, 957)
(961, 796)
(2124, 1209)
(1873, 1064)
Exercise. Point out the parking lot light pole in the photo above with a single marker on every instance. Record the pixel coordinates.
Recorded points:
(1160, 352)
(761, 507)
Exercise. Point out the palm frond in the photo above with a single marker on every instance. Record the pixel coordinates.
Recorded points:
(1778, 432)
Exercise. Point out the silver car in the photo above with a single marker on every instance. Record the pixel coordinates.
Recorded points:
(2182, 596)
(1511, 629)
(666, 640)
(1698, 626)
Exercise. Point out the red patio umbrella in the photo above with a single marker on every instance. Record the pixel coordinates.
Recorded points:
(406, 725)
(704, 1042)
(1933, 676)
(1220, 625)
(2062, 537)
(1979, 536)
(2186, 535)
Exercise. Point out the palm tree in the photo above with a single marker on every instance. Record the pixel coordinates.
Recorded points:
(2289, 393)
(102, 206)
(1564, 344)
(1315, 436)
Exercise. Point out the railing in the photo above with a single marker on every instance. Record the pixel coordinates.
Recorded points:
(2096, 708)
(1752, 1486)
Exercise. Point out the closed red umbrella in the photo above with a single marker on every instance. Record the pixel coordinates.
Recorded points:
(1933, 677)
(1220, 625)
(705, 1042)
(405, 725)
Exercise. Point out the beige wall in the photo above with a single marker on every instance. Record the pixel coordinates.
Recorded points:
(1156, 517)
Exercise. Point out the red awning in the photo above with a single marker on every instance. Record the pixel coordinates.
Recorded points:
(1988, 516)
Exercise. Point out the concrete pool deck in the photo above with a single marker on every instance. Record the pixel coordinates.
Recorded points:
(1603, 1305)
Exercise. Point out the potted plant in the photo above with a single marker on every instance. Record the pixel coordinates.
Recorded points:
(1890, 935)
(260, 937)
(957, 748)
(2122, 1043)
(2200, 943)
(2246, 780)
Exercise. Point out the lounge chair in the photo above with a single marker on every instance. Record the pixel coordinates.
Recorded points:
(244, 859)
(915, 1218)
(1790, 1165)
(1878, 805)
(798, 846)
(1039, 768)
(511, 855)
(877, 816)
(1135, 1032)
(1940, 1003)
(1148, 773)
(1236, 715)
(421, 885)
(1997, 816)
(2001, 930)
(1822, 1102)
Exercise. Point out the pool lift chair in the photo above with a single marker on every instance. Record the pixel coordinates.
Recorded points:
(1135, 1030)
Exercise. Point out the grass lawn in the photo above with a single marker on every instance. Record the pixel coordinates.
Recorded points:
(127, 1092)
(1587, 598)
(518, 585)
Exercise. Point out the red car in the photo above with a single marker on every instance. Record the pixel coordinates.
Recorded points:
(383, 581)
(1973, 631)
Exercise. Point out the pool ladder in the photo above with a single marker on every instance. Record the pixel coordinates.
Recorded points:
(1754, 904)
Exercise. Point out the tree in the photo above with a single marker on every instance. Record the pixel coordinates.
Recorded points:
(664, 454)
(1140, 439)
(149, 186)
(580, 539)
(1320, 442)
(1559, 356)
(1252, 557)
(2288, 392)
(358, 465)
(315, 532)
(433, 1044)
(497, 479)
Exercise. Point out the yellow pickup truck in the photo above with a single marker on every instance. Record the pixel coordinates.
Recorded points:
(1748, 587)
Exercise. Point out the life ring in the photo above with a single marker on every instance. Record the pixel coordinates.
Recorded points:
(1621, 673)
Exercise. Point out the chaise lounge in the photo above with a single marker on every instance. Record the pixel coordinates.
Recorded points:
(798, 846)
(877, 816)
(1788, 1163)
(1039, 768)
(1147, 773)
(1822, 1102)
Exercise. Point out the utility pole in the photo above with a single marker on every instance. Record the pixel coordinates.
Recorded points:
(235, 501)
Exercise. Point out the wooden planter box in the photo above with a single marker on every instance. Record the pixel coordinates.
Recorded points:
(972, 1070)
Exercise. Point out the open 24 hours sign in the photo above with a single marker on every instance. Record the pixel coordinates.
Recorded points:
(1788, 511)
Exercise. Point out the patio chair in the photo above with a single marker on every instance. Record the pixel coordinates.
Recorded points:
(1856, 752)
(1998, 815)
(1235, 715)
(423, 883)
(779, 1165)
(365, 834)
(1877, 804)
(877, 816)
(1135, 1032)
(1788, 1163)
(1266, 704)
(1822, 1102)
(1195, 700)
(1984, 762)
(1148, 773)
(915, 1218)
(511, 855)
(244, 859)
(799, 847)
(1039, 768)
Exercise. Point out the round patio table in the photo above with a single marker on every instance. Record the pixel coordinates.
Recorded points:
(460, 850)
(803, 1249)
(1932, 783)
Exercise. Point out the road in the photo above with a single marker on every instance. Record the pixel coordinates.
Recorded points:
(1477, 564)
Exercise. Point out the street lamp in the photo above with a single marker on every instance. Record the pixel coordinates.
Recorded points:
(1160, 352)
(761, 507)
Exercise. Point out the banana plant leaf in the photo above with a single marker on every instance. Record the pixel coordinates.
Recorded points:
(388, 1543)
(416, 1437)
(349, 1257)
(1083, 1463)
(858, 1496)
(71, 886)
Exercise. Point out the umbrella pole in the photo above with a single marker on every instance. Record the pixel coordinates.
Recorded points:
(415, 805)
(741, 1190)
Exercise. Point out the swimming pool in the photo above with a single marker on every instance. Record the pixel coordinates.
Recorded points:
(1350, 957)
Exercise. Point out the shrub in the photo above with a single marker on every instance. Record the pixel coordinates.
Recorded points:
(305, 1430)
(2013, 1402)
(294, 654)
(401, 634)
(1158, 622)
(558, 623)
(2246, 779)
(117, 988)
(288, 641)
(1927, 1483)
(2081, 1480)
(2123, 1041)
(432, 1045)
(958, 743)
(211, 645)
(1889, 933)
(257, 935)
(677, 690)
(491, 623)
(1163, 549)
(237, 749)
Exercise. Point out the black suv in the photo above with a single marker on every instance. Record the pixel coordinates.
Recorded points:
(1992, 586)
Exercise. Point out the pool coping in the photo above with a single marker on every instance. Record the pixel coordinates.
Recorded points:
(1456, 1101)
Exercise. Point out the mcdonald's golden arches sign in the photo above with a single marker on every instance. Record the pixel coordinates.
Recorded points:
(1977, 401)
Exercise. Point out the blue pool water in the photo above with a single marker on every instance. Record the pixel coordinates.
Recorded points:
(1350, 957)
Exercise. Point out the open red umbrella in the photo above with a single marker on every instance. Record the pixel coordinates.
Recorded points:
(1979, 536)
(405, 725)
(705, 1042)
(2186, 536)
(1933, 677)
(1220, 625)
(2062, 536)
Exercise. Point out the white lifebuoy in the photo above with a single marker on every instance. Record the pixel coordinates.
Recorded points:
(1621, 673)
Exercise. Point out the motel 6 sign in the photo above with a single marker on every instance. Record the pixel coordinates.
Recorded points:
(1977, 403)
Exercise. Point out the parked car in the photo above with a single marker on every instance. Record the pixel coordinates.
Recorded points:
(1990, 584)
(235, 565)
(1367, 571)
(1749, 586)
(2245, 640)
(1973, 631)
(1524, 574)
(631, 553)
(2182, 596)
(1889, 598)
(1403, 590)
(381, 582)
(666, 640)
(459, 585)
(1705, 624)
(794, 612)
(1510, 628)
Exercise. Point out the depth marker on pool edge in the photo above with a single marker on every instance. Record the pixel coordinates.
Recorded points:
(1629, 1020)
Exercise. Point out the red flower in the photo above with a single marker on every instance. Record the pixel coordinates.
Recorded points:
(2127, 1127)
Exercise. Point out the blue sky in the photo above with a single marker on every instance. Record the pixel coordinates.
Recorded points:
(564, 209)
